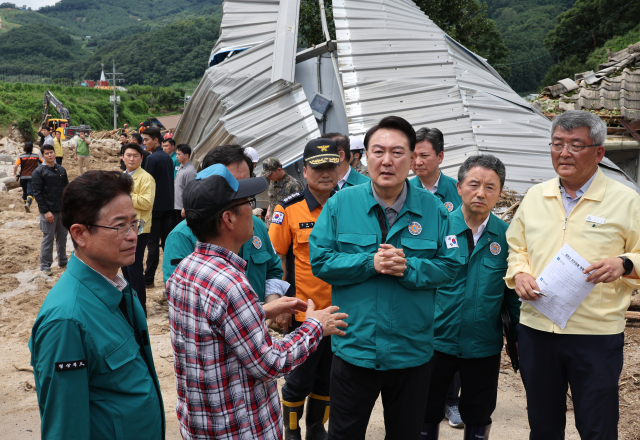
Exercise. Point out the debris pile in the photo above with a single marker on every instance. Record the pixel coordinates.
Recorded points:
(507, 205)
(106, 134)
(614, 90)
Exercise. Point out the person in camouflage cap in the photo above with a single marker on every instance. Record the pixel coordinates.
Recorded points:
(357, 150)
(280, 186)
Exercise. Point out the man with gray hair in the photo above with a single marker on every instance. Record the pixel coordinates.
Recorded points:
(468, 325)
(599, 219)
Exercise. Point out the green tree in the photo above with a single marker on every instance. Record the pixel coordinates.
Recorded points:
(310, 26)
(467, 22)
(590, 23)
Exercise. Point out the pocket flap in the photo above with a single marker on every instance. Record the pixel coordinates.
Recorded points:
(303, 236)
(358, 239)
(126, 352)
(418, 244)
(260, 257)
(495, 263)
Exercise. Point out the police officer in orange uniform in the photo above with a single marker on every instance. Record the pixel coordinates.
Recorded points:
(291, 224)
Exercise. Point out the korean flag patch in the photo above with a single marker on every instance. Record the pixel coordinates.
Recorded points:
(277, 217)
(451, 241)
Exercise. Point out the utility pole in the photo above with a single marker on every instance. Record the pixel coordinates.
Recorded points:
(115, 98)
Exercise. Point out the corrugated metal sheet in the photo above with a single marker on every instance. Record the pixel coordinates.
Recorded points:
(286, 45)
(169, 122)
(395, 61)
(246, 23)
(236, 102)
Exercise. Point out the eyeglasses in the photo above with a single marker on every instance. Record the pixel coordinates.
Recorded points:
(251, 201)
(558, 146)
(123, 229)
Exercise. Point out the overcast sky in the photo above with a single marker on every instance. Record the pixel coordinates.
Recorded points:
(33, 4)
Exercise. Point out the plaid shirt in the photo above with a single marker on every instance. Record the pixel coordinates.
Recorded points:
(226, 364)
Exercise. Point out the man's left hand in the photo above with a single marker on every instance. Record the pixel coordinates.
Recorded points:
(285, 305)
(605, 271)
(390, 261)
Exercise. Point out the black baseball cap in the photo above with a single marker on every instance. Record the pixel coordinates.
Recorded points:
(215, 187)
(320, 151)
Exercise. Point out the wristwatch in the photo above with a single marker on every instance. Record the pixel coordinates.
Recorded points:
(628, 266)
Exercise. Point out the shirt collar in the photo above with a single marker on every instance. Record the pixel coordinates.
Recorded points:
(312, 203)
(214, 250)
(434, 188)
(119, 282)
(344, 179)
(481, 229)
(582, 189)
(397, 205)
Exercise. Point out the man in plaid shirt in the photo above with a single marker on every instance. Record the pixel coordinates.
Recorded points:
(226, 363)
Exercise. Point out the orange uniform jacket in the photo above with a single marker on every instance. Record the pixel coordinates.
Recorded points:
(291, 224)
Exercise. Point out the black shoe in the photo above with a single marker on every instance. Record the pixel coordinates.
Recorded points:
(291, 415)
(472, 432)
(317, 415)
(148, 284)
(430, 431)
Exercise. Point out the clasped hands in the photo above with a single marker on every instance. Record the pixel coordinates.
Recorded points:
(389, 260)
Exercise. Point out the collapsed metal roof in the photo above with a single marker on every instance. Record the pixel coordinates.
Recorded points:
(236, 103)
(393, 60)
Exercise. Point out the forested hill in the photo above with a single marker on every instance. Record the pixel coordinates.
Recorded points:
(554, 39)
(177, 53)
(160, 56)
(584, 33)
(524, 24)
(112, 19)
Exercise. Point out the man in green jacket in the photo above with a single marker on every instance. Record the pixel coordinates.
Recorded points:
(385, 248)
(347, 176)
(264, 269)
(90, 350)
(81, 152)
(427, 158)
(425, 164)
(468, 326)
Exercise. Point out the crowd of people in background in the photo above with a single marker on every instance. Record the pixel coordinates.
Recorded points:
(382, 286)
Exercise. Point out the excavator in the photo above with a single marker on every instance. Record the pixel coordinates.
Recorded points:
(62, 124)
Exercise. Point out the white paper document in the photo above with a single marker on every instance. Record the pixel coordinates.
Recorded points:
(564, 284)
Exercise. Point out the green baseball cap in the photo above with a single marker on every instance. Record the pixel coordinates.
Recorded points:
(269, 165)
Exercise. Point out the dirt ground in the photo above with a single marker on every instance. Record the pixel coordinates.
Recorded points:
(23, 289)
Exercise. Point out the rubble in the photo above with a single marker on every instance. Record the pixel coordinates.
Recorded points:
(614, 90)
(113, 134)
(10, 182)
(15, 225)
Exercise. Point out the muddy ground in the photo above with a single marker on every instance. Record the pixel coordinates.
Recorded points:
(23, 289)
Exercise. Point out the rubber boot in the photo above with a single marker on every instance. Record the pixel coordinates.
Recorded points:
(430, 431)
(472, 432)
(291, 415)
(27, 204)
(317, 415)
